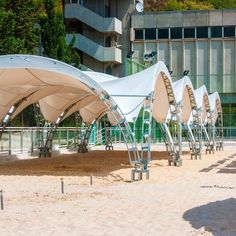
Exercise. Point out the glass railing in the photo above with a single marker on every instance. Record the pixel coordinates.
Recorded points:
(132, 67)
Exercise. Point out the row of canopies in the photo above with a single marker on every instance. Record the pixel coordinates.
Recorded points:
(61, 90)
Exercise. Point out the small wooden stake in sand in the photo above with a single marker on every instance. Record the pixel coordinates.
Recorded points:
(91, 180)
(62, 186)
(1, 196)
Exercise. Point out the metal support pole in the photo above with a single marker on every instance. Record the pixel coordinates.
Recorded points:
(59, 138)
(201, 130)
(32, 140)
(67, 138)
(180, 138)
(110, 134)
(21, 141)
(9, 142)
(180, 127)
(75, 138)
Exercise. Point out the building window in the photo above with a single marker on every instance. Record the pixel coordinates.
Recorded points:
(163, 33)
(150, 34)
(139, 34)
(189, 33)
(229, 31)
(202, 32)
(216, 32)
(176, 33)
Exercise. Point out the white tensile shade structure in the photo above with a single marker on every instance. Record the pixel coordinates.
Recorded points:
(217, 114)
(56, 86)
(61, 90)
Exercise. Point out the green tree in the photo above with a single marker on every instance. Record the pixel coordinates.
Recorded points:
(19, 36)
(175, 5)
(54, 35)
(219, 4)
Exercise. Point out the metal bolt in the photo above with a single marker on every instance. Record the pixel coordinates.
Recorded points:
(91, 180)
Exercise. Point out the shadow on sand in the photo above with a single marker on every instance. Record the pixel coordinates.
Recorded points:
(100, 163)
(228, 169)
(218, 217)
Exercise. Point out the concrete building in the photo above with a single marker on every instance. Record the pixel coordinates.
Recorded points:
(102, 31)
(200, 43)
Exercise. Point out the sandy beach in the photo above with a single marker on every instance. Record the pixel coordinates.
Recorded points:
(198, 198)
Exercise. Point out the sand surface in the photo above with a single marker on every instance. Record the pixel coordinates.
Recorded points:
(198, 198)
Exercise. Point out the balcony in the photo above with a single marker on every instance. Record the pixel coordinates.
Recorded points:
(100, 53)
(101, 24)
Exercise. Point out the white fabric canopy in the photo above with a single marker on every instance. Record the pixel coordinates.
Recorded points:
(130, 92)
(56, 86)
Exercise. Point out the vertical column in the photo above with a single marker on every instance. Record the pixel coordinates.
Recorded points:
(223, 66)
(183, 54)
(234, 66)
(208, 77)
(170, 55)
(195, 84)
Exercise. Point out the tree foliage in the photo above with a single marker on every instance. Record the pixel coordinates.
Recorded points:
(54, 35)
(21, 25)
(180, 5)
(17, 32)
(27, 21)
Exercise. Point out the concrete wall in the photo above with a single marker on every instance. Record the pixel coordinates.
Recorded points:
(124, 10)
(93, 64)
(183, 19)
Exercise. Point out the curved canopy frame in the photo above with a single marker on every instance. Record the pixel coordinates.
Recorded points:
(216, 110)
